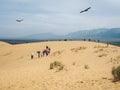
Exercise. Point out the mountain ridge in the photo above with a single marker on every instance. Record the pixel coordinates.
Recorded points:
(101, 33)
(95, 34)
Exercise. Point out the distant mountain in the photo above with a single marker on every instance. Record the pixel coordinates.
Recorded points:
(113, 33)
(102, 34)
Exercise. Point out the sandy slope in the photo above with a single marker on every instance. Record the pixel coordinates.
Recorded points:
(19, 72)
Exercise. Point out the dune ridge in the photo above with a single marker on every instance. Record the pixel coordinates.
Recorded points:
(87, 66)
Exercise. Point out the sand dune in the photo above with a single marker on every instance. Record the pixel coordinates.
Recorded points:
(87, 66)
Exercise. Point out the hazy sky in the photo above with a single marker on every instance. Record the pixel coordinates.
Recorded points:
(56, 16)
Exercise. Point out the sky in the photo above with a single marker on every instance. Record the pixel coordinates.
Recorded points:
(56, 16)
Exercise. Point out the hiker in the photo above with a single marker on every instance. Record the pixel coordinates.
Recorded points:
(48, 49)
(38, 52)
(32, 55)
(45, 52)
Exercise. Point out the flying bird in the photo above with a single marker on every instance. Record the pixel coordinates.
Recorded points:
(85, 10)
(19, 20)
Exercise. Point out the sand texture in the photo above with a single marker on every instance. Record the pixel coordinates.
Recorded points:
(87, 66)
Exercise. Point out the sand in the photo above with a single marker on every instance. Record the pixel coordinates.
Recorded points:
(87, 66)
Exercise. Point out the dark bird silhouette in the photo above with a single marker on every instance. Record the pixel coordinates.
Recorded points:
(85, 10)
(19, 20)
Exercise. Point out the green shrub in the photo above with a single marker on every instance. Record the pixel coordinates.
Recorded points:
(56, 64)
(116, 73)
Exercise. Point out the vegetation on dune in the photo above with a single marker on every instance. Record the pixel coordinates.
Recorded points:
(56, 65)
(116, 73)
(115, 60)
(77, 49)
(73, 63)
(86, 66)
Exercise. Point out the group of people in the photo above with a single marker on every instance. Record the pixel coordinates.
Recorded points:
(45, 52)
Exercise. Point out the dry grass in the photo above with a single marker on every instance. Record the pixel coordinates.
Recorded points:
(78, 49)
(86, 66)
(73, 63)
(56, 65)
(99, 50)
(102, 55)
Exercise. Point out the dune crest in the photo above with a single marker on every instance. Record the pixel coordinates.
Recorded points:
(4, 43)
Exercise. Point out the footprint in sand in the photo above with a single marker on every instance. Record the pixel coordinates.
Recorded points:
(115, 60)
(56, 53)
(21, 57)
(102, 55)
(8, 53)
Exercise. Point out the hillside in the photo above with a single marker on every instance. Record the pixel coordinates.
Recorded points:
(103, 34)
(87, 66)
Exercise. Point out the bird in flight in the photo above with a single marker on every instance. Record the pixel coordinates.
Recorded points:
(85, 10)
(19, 20)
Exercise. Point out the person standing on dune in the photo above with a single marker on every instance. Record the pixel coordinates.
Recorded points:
(32, 55)
(48, 50)
(38, 52)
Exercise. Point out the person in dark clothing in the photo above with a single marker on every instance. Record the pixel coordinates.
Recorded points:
(45, 52)
(46, 47)
(38, 52)
(49, 50)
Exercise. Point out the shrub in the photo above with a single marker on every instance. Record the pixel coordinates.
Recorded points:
(61, 67)
(51, 65)
(56, 64)
(86, 66)
(116, 73)
(73, 63)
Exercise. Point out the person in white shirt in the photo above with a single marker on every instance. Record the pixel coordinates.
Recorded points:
(32, 55)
